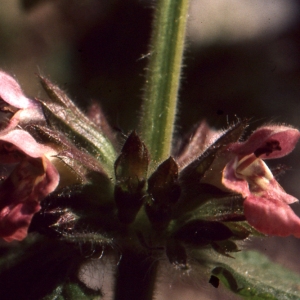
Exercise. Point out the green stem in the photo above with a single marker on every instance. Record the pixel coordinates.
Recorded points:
(135, 278)
(163, 75)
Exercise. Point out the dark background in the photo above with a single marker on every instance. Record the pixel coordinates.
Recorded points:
(242, 60)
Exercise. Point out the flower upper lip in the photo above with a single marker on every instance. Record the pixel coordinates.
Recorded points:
(24, 109)
(268, 142)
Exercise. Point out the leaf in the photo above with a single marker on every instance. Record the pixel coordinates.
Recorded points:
(73, 291)
(164, 192)
(62, 114)
(242, 230)
(198, 194)
(199, 166)
(255, 277)
(223, 247)
(200, 232)
(76, 160)
(223, 209)
(195, 194)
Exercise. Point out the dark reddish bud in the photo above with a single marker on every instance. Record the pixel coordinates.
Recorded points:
(200, 233)
(131, 172)
(223, 247)
(164, 192)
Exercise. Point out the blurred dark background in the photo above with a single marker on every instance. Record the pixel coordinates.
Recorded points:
(242, 60)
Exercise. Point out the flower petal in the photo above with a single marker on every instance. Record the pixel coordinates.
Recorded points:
(11, 92)
(250, 175)
(232, 182)
(21, 193)
(271, 217)
(17, 140)
(15, 221)
(256, 173)
(275, 191)
(267, 142)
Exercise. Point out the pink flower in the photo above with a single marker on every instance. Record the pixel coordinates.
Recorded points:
(32, 179)
(266, 205)
(14, 101)
(27, 172)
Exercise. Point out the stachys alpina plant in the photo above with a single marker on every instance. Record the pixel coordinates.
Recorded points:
(69, 193)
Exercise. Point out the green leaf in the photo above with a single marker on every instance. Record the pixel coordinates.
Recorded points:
(223, 247)
(253, 276)
(197, 169)
(63, 114)
(73, 291)
(194, 195)
(222, 207)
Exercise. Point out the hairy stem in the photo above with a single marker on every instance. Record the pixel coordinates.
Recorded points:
(163, 75)
(135, 278)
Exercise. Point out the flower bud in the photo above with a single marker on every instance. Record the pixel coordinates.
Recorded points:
(131, 173)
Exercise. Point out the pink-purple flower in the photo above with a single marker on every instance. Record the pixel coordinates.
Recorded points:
(28, 175)
(266, 205)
